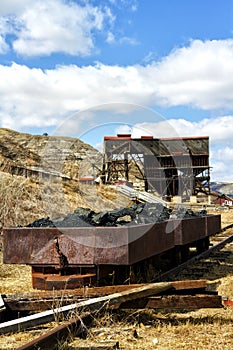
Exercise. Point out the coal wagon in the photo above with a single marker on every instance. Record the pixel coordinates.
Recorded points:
(70, 257)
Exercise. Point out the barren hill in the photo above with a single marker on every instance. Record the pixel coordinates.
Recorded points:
(39, 177)
(25, 150)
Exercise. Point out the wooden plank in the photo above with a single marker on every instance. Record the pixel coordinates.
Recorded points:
(175, 302)
(189, 284)
(100, 291)
(112, 300)
(50, 299)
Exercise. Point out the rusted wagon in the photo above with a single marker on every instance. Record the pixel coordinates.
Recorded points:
(70, 257)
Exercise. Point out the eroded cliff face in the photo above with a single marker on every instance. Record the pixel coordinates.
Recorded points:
(37, 151)
(39, 178)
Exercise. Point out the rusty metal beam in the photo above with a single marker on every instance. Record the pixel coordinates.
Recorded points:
(60, 334)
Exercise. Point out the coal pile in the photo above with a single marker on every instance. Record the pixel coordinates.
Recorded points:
(142, 213)
(44, 222)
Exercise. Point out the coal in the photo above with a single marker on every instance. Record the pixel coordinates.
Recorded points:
(44, 222)
(84, 213)
(142, 213)
(100, 219)
(72, 220)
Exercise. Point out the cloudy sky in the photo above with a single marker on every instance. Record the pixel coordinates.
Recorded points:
(88, 68)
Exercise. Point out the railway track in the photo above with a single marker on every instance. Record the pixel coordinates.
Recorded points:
(198, 265)
(149, 296)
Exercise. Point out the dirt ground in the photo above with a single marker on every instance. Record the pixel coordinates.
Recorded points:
(143, 329)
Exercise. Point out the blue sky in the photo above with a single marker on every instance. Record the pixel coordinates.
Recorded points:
(91, 68)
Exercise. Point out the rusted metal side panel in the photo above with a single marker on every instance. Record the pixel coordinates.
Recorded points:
(189, 230)
(148, 240)
(35, 246)
(213, 224)
(39, 245)
(78, 245)
(111, 246)
(20, 245)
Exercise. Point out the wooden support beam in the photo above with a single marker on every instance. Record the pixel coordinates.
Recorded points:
(189, 284)
(175, 302)
(113, 300)
(51, 299)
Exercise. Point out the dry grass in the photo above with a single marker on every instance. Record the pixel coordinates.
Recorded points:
(15, 278)
(203, 329)
(226, 214)
(15, 340)
(24, 200)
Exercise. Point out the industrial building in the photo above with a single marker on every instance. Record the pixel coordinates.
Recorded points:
(167, 166)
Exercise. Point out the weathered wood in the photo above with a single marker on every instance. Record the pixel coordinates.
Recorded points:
(112, 300)
(47, 299)
(175, 302)
(189, 284)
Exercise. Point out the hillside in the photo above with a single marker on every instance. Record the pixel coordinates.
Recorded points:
(39, 177)
(222, 188)
(25, 150)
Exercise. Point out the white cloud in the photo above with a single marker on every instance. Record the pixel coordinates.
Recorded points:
(110, 38)
(219, 129)
(48, 26)
(65, 89)
(14, 6)
(128, 40)
(200, 75)
(43, 27)
(221, 161)
(228, 154)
